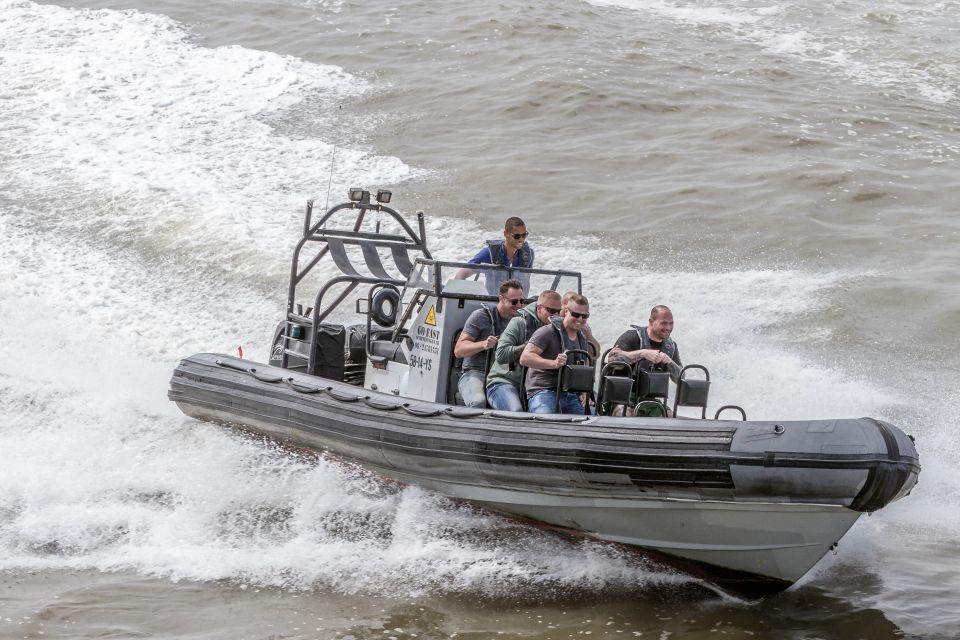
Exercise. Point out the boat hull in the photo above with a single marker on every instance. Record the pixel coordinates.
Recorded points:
(731, 497)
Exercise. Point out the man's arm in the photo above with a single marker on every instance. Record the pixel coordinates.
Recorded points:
(532, 359)
(622, 348)
(483, 257)
(650, 355)
(627, 349)
(467, 345)
(675, 364)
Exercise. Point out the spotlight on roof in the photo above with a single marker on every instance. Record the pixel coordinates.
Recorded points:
(383, 196)
(356, 194)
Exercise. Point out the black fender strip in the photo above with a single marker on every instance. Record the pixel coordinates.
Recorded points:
(884, 481)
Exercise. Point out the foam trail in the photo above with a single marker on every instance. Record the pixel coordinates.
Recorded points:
(99, 469)
(100, 295)
(124, 107)
(118, 479)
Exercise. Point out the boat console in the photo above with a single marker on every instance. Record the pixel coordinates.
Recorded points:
(411, 309)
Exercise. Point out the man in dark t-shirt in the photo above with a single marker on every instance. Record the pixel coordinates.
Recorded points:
(651, 347)
(479, 335)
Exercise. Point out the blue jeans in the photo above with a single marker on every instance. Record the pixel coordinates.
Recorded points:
(546, 402)
(504, 397)
(471, 389)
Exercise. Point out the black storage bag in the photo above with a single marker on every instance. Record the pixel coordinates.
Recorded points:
(653, 384)
(577, 377)
(329, 349)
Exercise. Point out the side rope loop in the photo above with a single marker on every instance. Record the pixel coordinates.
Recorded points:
(418, 412)
(367, 400)
(301, 388)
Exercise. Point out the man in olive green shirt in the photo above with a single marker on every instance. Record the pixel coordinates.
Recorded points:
(503, 381)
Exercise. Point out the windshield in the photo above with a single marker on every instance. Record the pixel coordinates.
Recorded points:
(482, 281)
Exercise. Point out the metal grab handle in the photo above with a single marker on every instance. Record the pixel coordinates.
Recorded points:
(610, 369)
(733, 407)
(582, 352)
(692, 396)
(651, 403)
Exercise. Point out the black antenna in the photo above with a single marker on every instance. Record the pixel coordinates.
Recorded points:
(333, 153)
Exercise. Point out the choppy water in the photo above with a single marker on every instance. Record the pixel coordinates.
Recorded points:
(782, 174)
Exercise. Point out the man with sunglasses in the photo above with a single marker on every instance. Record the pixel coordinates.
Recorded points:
(546, 353)
(479, 336)
(512, 251)
(503, 381)
(587, 331)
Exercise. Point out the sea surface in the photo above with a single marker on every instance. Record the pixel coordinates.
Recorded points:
(782, 174)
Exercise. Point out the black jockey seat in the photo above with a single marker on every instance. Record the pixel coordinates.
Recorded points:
(652, 385)
(692, 392)
(616, 385)
(576, 377)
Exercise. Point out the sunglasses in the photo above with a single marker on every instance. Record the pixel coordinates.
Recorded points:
(579, 316)
(551, 310)
(520, 236)
(514, 301)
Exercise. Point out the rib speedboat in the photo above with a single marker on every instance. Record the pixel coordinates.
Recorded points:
(752, 505)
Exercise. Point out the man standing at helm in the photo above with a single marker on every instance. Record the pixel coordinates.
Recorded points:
(511, 251)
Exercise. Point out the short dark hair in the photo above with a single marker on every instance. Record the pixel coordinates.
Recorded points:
(548, 294)
(577, 298)
(513, 223)
(657, 310)
(506, 285)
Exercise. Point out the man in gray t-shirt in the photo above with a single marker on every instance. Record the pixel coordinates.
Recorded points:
(479, 335)
(544, 355)
(547, 339)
